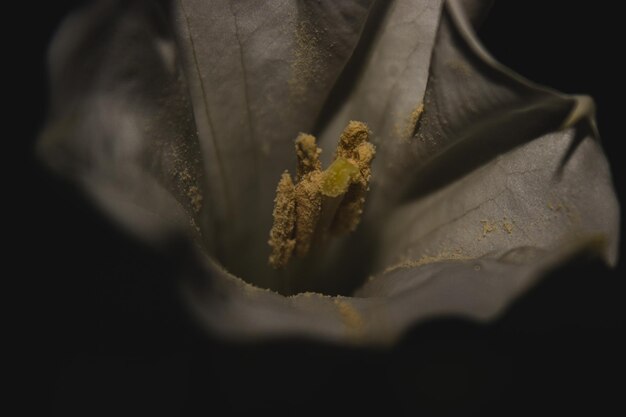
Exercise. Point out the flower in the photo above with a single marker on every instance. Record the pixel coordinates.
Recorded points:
(179, 117)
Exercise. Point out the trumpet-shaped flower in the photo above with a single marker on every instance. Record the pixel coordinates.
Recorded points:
(181, 117)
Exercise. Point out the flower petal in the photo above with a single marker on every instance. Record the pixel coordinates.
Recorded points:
(523, 198)
(383, 309)
(120, 121)
(391, 71)
(484, 184)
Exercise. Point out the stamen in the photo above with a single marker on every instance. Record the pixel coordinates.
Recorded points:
(354, 145)
(321, 202)
(308, 155)
(281, 240)
(308, 209)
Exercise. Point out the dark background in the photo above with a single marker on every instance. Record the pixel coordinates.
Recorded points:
(111, 337)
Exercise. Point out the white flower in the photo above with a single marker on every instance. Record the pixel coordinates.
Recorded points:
(181, 119)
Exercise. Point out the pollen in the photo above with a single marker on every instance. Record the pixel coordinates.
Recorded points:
(308, 155)
(281, 236)
(321, 203)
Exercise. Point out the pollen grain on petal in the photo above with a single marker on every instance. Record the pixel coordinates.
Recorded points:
(350, 316)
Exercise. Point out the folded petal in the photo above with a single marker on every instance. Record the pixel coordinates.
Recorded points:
(498, 162)
(474, 109)
(121, 123)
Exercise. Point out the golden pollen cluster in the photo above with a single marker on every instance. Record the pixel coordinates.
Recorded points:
(321, 203)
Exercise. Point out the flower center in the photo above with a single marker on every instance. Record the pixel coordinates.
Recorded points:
(320, 204)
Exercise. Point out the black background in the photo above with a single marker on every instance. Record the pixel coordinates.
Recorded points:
(111, 337)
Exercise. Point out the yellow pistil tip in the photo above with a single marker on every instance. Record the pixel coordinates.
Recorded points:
(338, 177)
